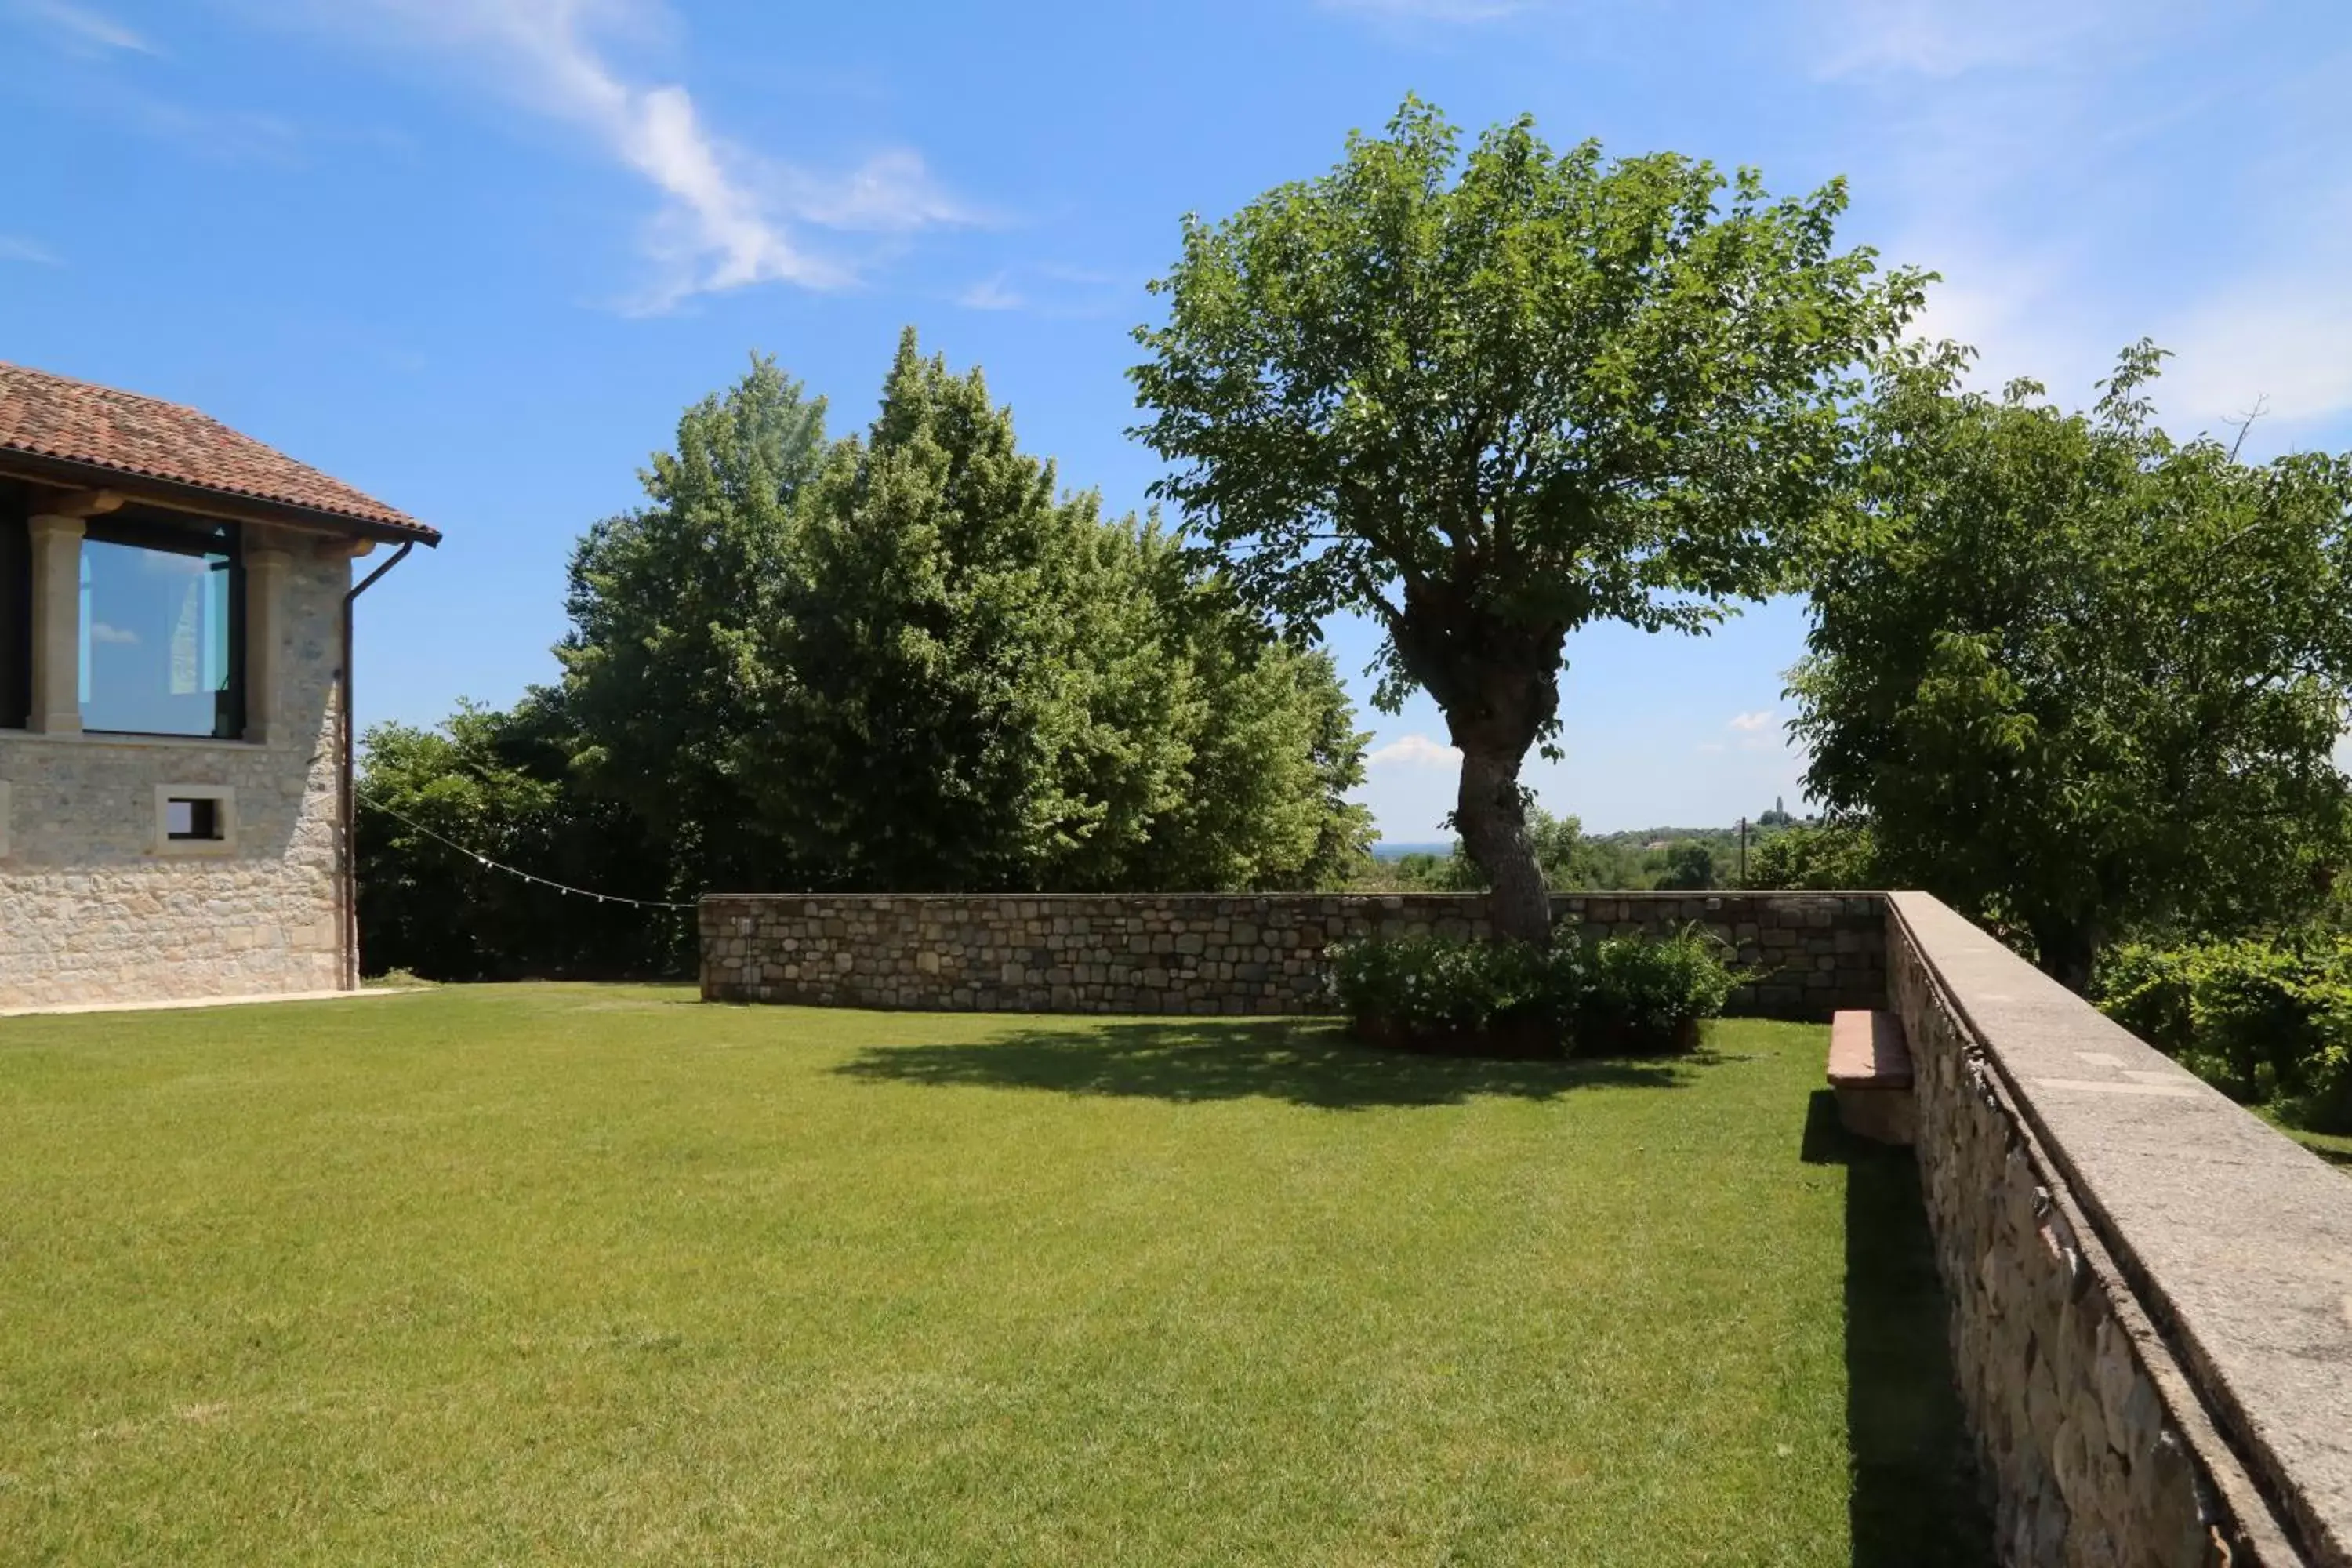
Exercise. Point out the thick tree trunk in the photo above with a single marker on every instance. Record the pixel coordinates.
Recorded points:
(1493, 820)
(2068, 953)
(1497, 678)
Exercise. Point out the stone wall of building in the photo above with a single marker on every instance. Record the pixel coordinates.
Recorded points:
(1182, 953)
(89, 911)
(2151, 1292)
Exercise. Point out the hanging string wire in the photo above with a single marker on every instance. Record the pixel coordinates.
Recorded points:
(480, 859)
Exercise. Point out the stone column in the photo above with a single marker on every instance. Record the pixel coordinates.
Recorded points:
(264, 601)
(57, 624)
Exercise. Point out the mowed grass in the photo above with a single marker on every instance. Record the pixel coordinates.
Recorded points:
(558, 1274)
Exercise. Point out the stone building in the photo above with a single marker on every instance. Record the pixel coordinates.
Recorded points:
(175, 669)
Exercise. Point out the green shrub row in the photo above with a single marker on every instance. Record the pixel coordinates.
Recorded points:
(2268, 1022)
(1638, 992)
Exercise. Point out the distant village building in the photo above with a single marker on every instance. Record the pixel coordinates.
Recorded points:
(174, 670)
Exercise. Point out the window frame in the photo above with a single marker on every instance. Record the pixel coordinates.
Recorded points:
(173, 533)
(224, 799)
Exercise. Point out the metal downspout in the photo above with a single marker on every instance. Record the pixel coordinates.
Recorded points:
(349, 858)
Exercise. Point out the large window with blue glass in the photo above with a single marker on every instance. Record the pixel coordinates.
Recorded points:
(162, 620)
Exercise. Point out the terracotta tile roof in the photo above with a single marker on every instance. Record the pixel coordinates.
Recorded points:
(56, 417)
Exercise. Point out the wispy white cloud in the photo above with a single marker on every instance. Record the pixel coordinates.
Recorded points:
(1049, 289)
(891, 193)
(15, 247)
(992, 294)
(1750, 723)
(2035, 155)
(1413, 752)
(727, 218)
(2282, 346)
(1948, 37)
(79, 28)
(2277, 337)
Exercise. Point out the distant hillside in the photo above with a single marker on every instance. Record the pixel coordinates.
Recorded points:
(1396, 849)
(1387, 849)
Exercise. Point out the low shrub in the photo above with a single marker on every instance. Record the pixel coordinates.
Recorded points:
(2267, 1023)
(1508, 998)
(1649, 993)
(1442, 992)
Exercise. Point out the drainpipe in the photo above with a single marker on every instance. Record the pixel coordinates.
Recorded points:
(350, 901)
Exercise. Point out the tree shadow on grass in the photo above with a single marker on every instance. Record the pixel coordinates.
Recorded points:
(1305, 1063)
(1916, 1501)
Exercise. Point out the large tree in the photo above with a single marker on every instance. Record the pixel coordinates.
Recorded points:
(665, 601)
(2080, 677)
(500, 785)
(977, 681)
(1487, 401)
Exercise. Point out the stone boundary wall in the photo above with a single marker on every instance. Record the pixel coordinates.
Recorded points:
(2151, 1291)
(1219, 953)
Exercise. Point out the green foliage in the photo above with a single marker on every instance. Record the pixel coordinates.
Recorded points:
(1563, 852)
(1824, 856)
(1575, 861)
(1626, 991)
(499, 784)
(901, 661)
(973, 682)
(1098, 715)
(1485, 400)
(1455, 984)
(2083, 679)
(1645, 990)
(662, 663)
(1689, 865)
(2267, 1022)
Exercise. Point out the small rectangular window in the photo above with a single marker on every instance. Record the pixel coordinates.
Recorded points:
(197, 818)
(194, 819)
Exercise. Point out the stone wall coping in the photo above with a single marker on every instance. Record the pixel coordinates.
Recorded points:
(2237, 1240)
(1635, 895)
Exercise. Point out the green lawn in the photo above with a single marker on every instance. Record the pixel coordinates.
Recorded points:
(600, 1274)
(2335, 1148)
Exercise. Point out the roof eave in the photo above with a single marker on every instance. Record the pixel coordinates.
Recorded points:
(181, 495)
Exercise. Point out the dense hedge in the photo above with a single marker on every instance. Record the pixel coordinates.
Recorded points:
(2268, 1022)
(1626, 993)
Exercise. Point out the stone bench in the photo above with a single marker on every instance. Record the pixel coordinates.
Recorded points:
(1870, 1072)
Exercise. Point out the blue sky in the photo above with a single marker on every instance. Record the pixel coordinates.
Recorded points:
(475, 255)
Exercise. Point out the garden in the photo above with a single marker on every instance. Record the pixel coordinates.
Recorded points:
(579, 1273)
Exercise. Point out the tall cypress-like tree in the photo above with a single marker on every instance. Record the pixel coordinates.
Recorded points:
(969, 693)
(980, 683)
(662, 660)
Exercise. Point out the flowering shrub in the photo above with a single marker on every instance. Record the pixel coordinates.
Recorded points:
(1624, 992)
(2266, 1023)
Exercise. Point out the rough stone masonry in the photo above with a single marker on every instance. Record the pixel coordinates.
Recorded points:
(1218, 953)
(90, 913)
